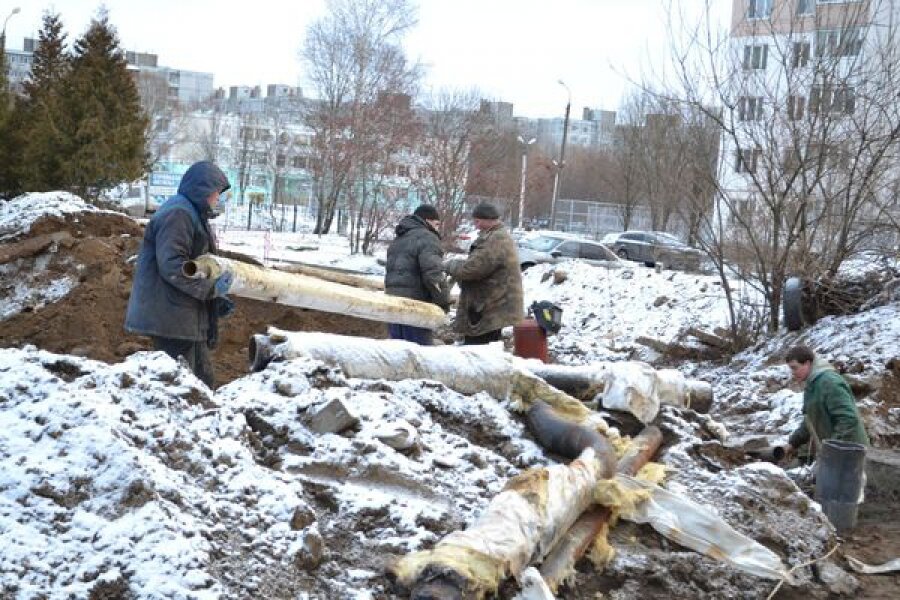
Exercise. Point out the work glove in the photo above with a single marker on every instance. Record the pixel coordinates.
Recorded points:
(223, 306)
(223, 284)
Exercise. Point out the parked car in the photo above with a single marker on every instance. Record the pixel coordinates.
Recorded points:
(651, 247)
(551, 248)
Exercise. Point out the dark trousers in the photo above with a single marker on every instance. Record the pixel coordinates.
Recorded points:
(418, 335)
(484, 338)
(196, 354)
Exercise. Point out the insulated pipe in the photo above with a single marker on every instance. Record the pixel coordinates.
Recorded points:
(303, 291)
(561, 560)
(569, 439)
(520, 526)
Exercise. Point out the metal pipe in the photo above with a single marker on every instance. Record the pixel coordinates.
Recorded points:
(303, 291)
(569, 439)
(561, 560)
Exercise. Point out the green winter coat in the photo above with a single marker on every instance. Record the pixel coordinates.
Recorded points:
(490, 283)
(829, 410)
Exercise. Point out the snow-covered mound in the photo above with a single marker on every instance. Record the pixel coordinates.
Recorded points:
(133, 477)
(606, 309)
(17, 216)
(754, 393)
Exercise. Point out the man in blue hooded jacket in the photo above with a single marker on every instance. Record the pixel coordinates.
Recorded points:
(181, 314)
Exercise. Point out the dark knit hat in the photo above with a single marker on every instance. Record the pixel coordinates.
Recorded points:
(485, 210)
(427, 212)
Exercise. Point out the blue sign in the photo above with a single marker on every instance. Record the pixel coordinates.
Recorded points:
(165, 179)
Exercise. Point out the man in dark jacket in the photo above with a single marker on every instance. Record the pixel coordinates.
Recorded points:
(490, 281)
(414, 269)
(179, 313)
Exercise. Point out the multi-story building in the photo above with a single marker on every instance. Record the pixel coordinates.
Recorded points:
(185, 87)
(810, 80)
(19, 64)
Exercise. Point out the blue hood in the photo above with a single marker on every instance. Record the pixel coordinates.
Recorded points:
(199, 181)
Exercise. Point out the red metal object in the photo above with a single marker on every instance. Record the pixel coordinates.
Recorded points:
(530, 341)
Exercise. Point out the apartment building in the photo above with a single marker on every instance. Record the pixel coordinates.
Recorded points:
(812, 84)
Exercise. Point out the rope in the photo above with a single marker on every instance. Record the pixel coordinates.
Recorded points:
(800, 566)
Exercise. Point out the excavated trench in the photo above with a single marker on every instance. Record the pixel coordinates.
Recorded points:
(96, 257)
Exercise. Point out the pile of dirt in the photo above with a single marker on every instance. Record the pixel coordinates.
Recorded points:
(96, 256)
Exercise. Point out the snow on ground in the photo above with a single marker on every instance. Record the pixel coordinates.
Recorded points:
(19, 214)
(330, 250)
(606, 309)
(754, 392)
(134, 476)
(17, 295)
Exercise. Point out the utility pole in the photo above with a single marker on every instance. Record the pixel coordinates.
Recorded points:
(562, 158)
(524, 172)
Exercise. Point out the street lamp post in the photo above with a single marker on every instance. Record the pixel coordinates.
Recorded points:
(14, 11)
(562, 158)
(524, 171)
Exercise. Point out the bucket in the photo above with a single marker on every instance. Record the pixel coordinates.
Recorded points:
(530, 341)
(839, 482)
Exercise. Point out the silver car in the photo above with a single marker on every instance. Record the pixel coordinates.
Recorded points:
(550, 248)
(651, 247)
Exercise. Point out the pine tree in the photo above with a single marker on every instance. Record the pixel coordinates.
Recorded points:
(8, 177)
(106, 124)
(40, 116)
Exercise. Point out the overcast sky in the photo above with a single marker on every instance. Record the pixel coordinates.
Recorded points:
(512, 50)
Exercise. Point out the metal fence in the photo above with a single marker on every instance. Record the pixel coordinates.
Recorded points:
(594, 219)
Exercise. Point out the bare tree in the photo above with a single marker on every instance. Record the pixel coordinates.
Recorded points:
(167, 117)
(805, 97)
(352, 55)
(451, 125)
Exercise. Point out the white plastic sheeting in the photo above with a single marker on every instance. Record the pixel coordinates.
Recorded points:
(861, 567)
(465, 369)
(638, 388)
(693, 526)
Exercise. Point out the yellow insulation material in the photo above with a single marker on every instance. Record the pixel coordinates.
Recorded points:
(602, 553)
(610, 493)
(531, 485)
(482, 573)
(653, 472)
(528, 389)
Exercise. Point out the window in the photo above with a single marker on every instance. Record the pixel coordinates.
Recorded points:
(746, 159)
(402, 171)
(800, 57)
(839, 42)
(568, 249)
(750, 108)
(280, 160)
(805, 7)
(759, 9)
(300, 162)
(827, 99)
(755, 56)
(595, 252)
(796, 107)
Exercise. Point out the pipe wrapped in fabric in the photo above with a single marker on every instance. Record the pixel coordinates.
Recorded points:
(271, 285)
(520, 525)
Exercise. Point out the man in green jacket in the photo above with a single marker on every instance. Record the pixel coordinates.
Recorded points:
(829, 409)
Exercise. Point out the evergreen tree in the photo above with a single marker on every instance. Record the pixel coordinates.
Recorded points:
(106, 124)
(40, 116)
(8, 183)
